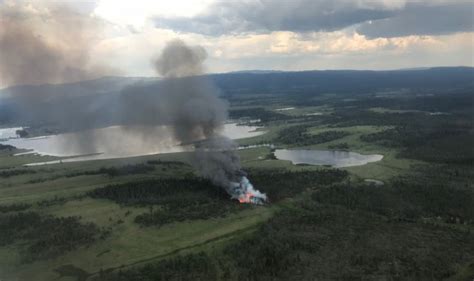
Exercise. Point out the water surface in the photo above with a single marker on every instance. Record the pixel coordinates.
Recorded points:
(117, 142)
(332, 158)
(7, 133)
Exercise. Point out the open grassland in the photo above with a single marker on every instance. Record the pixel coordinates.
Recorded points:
(10, 161)
(131, 244)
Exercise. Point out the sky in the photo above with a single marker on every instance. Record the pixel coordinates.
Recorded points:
(292, 35)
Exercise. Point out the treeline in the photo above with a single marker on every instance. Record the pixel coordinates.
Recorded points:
(47, 236)
(166, 163)
(16, 207)
(116, 171)
(176, 199)
(15, 172)
(157, 191)
(403, 199)
(299, 136)
(130, 169)
(109, 171)
(257, 113)
(173, 199)
(7, 147)
(360, 117)
(189, 267)
(56, 200)
(339, 146)
(280, 184)
(439, 139)
(446, 102)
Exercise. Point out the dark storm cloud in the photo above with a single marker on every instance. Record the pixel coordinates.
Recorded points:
(265, 15)
(419, 19)
(414, 18)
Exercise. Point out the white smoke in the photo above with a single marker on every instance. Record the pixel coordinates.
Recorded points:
(246, 193)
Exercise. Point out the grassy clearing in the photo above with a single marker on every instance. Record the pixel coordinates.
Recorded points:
(8, 160)
(353, 140)
(129, 243)
(388, 110)
(306, 110)
(390, 166)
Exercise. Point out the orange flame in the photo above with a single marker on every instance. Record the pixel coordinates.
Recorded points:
(246, 198)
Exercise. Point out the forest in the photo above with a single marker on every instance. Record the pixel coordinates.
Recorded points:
(298, 136)
(368, 231)
(46, 237)
(191, 198)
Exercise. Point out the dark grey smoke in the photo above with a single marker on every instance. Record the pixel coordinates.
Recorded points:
(197, 114)
(180, 60)
(191, 100)
(216, 160)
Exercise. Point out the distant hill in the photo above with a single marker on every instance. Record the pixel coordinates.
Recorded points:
(256, 71)
(89, 87)
(106, 93)
(347, 81)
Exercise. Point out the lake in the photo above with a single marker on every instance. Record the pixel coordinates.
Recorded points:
(332, 158)
(116, 141)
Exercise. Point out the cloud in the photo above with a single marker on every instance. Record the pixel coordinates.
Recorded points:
(291, 44)
(421, 19)
(383, 18)
(265, 15)
(337, 50)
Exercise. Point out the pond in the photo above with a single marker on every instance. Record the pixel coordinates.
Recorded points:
(117, 142)
(6, 133)
(332, 158)
(374, 182)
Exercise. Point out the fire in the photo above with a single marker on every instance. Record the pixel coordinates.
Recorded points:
(246, 198)
(246, 193)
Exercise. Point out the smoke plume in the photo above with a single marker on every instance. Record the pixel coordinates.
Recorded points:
(198, 116)
(48, 43)
(51, 43)
(45, 43)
